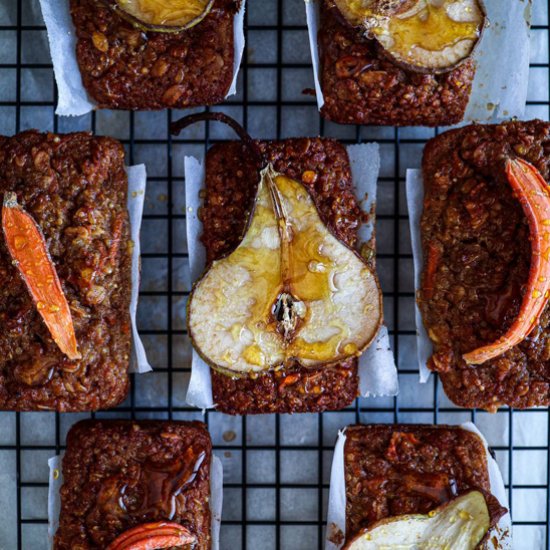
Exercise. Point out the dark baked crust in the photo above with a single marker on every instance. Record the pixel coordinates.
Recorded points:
(471, 217)
(75, 187)
(231, 180)
(125, 68)
(378, 91)
(379, 458)
(104, 455)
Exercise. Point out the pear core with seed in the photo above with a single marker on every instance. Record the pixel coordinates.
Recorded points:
(290, 292)
(459, 524)
(421, 35)
(162, 15)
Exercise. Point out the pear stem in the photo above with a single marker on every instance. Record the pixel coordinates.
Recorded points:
(177, 126)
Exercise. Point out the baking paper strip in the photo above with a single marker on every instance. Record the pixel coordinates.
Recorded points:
(499, 89)
(503, 528)
(137, 180)
(336, 515)
(377, 370)
(56, 481)
(73, 99)
(415, 199)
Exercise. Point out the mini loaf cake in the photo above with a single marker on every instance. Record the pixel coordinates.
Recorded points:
(396, 473)
(366, 79)
(287, 302)
(322, 165)
(65, 338)
(126, 64)
(479, 262)
(135, 480)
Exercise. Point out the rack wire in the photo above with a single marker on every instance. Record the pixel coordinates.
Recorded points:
(277, 467)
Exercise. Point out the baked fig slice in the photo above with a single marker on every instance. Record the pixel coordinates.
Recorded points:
(431, 36)
(460, 524)
(290, 292)
(162, 15)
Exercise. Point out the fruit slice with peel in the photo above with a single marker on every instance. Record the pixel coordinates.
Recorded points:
(153, 536)
(430, 36)
(533, 192)
(162, 15)
(28, 249)
(460, 524)
(289, 292)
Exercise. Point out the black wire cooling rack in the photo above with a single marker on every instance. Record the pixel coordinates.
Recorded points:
(276, 467)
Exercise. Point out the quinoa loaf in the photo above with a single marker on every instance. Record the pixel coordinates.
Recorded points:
(124, 67)
(477, 252)
(393, 470)
(120, 474)
(362, 86)
(322, 165)
(75, 188)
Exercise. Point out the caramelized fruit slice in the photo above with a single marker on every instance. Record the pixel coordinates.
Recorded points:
(459, 524)
(163, 15)
(153, 536)
(421, 35)
(289, 292)
(533, 193)
(28, 249)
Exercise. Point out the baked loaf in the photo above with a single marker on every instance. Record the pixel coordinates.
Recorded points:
(361, 86)
(120, 474)
(394, 470)
(124, 67)
(322, 165)
(75, 188)
(475, 228)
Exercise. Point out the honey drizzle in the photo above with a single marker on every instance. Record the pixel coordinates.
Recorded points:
(432, 29)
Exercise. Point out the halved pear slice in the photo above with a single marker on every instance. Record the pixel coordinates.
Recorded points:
(162, 15)
(290, 291)
(422, 35)
(459, 524)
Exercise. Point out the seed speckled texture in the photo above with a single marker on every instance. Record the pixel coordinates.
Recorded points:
(322, 165)
(75, 187)
(392, 470)
(477, 228)
(361, 86)
(112, 461)
(124, 67)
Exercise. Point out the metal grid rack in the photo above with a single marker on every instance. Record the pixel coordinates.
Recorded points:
(276, 467)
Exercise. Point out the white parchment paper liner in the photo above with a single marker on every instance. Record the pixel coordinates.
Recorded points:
(336, 515)
(415, 201)
(73, 99)
(137, 180)
(56, 481)
(499, 89)
(377, 370)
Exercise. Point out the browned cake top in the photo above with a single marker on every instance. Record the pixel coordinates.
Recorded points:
(322, 165)
(125, 68)
(75, 188)
(476, 237)
(119, 474)
(360, 86)
(392, 470)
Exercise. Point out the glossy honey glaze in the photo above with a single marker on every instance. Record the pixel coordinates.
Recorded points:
(430, 29)
(149, 490)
